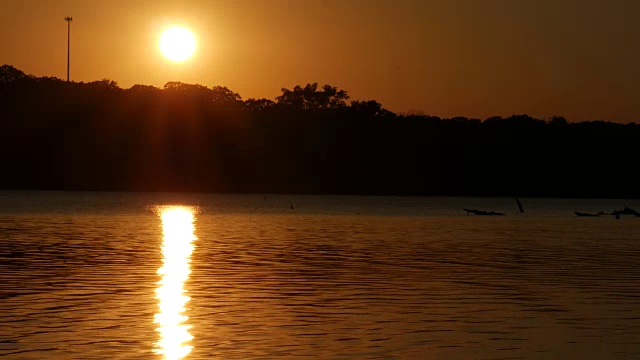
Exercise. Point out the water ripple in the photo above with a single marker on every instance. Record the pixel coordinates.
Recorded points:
(263, 285)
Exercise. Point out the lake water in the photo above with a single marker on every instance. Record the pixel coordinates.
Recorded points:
(194, 276)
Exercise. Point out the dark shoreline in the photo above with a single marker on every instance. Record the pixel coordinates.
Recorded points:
(316, 194)
(58, 135)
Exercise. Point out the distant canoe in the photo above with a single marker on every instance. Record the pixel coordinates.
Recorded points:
(482, 212)
(578, 213)
(626, 211)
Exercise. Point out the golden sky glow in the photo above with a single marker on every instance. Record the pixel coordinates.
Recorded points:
(178, 236)
(576, 58)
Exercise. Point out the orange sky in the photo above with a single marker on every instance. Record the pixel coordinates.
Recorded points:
(474, 58)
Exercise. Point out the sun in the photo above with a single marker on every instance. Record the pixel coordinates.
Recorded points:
(177, 44)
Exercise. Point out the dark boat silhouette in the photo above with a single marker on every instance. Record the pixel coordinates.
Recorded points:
(626, 211)
(616, 213)
(578, 213)
(482, 212)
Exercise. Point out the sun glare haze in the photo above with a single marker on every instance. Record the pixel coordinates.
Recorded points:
(177, 44)
(178, 236)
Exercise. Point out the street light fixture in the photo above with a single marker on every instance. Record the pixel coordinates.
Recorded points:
(68, 19)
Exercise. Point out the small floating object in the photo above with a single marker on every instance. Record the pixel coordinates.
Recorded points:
(616, 213)
(578, 213)
(626, 211)
(482, 212)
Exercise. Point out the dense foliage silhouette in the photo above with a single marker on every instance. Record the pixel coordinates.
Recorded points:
(97, 136)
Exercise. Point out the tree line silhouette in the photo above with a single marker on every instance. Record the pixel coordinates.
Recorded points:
(60, 135)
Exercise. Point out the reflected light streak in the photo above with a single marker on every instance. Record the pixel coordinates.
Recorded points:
(178, 236)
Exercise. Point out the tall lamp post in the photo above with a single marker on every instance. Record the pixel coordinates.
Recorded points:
(68, 20)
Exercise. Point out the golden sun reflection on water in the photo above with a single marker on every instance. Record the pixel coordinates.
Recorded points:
(178, 235)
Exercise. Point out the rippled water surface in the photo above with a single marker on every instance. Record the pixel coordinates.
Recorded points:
(106, 275)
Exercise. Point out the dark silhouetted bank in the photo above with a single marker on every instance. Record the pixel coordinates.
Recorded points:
(62, 135)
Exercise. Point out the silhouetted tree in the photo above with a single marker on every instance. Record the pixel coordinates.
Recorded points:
(222, 95)
(9, 74)
(558, 121)
(105, 84)
(217, 94)
(370, 108)
(259, 104)
(310, 98)
(180, 88)
(143, 89)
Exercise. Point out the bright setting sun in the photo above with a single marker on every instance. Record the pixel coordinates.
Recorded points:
(177, 44)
